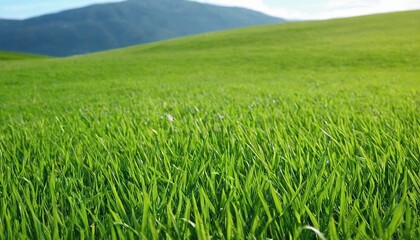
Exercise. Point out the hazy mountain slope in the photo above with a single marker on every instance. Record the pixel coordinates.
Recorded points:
(107, 26)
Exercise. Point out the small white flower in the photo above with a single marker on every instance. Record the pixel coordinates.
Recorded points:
(170, 117)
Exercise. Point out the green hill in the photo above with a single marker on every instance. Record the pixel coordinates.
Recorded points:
(7, 56)
(265, 132)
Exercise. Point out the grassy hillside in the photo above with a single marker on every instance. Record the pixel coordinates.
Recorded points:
(268, 132)
(7, 56)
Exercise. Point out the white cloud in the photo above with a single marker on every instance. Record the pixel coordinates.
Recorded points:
(334, 4)
(260, 6)
(345, 8)
(331, 9)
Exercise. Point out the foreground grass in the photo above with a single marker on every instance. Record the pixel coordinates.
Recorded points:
(268, 132)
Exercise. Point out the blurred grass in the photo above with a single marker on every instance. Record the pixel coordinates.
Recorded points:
(9, 56)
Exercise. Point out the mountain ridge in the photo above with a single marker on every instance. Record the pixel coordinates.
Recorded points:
(114, 25)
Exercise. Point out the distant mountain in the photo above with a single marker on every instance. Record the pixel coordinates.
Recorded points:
(115, 25)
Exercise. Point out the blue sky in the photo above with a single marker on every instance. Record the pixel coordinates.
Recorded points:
(292, 9)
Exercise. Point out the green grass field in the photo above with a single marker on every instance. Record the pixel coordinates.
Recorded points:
(285, 132)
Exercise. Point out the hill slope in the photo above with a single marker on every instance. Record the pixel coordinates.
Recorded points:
(8, 56)
(264, 132)
(116, 25)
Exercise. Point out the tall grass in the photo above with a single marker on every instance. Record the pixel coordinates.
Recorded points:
(226, 168)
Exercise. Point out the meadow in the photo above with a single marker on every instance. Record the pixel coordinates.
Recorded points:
(306, 130)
